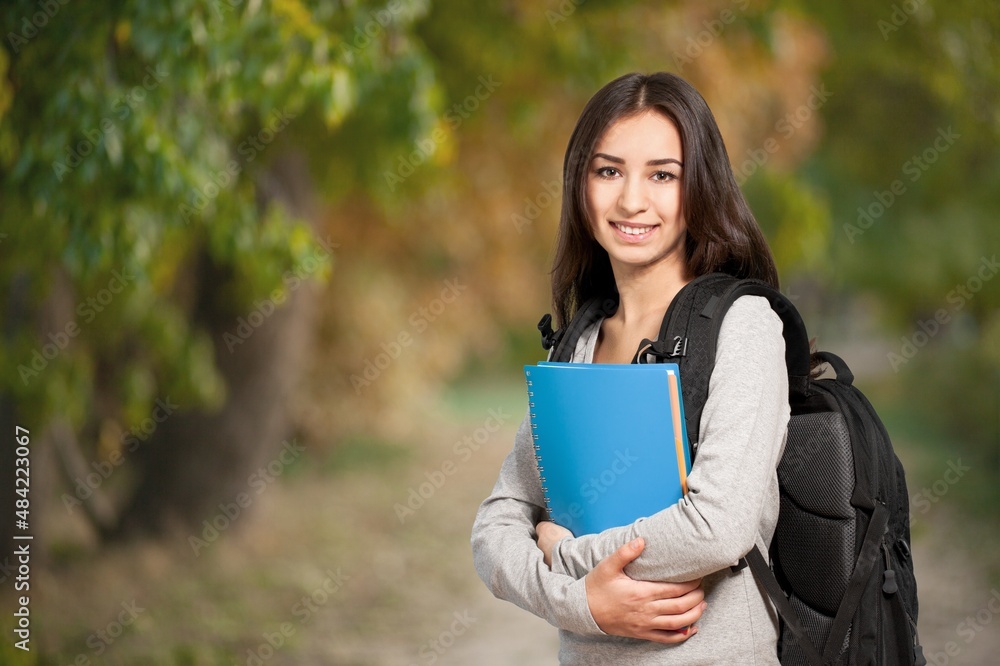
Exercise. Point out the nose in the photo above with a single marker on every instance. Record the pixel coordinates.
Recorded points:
(633, 198)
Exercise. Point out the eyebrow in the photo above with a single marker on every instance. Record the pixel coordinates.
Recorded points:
(618, 160)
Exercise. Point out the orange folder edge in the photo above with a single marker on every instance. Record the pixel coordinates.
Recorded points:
(675, 410)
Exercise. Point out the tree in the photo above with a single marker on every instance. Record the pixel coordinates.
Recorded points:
(157, 212)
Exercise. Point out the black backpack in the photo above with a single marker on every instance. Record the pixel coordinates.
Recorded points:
(842, 578)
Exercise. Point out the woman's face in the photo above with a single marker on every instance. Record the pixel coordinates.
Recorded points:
(634, 192)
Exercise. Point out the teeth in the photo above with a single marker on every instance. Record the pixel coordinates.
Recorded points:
(632, 231)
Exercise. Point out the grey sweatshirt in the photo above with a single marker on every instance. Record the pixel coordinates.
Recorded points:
(732, 504)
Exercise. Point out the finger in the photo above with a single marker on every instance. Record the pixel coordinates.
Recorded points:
(657, 590)
(669, 637)
(679, 604)
(678, 621)
(617, 560)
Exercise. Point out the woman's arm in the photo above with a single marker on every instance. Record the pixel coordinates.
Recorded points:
(510, 563)
(743, 426)
(504, 551)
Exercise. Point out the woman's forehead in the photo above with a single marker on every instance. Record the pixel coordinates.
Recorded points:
(646, 135)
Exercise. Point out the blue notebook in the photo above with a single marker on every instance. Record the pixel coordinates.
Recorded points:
(610, 441)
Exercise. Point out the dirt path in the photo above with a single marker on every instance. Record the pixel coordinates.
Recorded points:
(959, 608)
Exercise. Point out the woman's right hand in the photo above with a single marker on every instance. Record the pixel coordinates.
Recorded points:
(659, 612)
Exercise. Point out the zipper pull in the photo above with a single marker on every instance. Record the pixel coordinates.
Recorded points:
(889, 578)
(918, 652)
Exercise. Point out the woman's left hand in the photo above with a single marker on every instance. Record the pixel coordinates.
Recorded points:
(548, 535)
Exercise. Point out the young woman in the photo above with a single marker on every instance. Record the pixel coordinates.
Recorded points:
(650, 203)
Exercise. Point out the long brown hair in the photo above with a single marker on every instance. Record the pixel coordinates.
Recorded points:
(722, 234)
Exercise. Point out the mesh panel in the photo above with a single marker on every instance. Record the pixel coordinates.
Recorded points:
(817, 468)
(817, 626)
(816, 555)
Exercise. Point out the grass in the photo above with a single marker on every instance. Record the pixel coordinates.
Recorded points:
(470, 399)
(359, 452)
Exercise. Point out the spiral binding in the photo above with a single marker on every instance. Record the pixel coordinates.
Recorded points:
(534, 437)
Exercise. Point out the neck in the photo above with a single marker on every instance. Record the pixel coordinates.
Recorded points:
(645, 293)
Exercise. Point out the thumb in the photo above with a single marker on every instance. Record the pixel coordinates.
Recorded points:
(619, 559)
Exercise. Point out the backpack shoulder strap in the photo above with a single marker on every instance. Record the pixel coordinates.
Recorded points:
(793, 330)
(765, 577)
(690, 333)
(564, 340)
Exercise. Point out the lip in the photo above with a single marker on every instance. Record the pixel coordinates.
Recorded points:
(633, 238)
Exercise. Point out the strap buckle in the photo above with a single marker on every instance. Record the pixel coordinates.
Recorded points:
(661, 348)
(550, 338)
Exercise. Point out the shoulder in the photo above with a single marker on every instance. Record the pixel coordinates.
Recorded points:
(750, 354)
(751, 323)
(751, 311)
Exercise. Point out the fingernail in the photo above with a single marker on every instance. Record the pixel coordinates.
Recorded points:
(704, 605)
(636, 542)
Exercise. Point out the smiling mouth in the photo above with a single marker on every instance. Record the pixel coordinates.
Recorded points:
(632, 230)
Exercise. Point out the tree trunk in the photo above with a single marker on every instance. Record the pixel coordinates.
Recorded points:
(41, 464)
(195, 460)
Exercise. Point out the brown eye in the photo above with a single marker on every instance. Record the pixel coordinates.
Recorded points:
(664, 176)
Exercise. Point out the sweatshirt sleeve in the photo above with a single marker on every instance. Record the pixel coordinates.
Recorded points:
(506, 555)
(743, 429)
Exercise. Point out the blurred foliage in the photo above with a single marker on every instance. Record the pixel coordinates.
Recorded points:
(915, 106)
(135, 136)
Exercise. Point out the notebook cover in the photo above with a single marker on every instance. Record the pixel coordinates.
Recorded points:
(609, 439)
